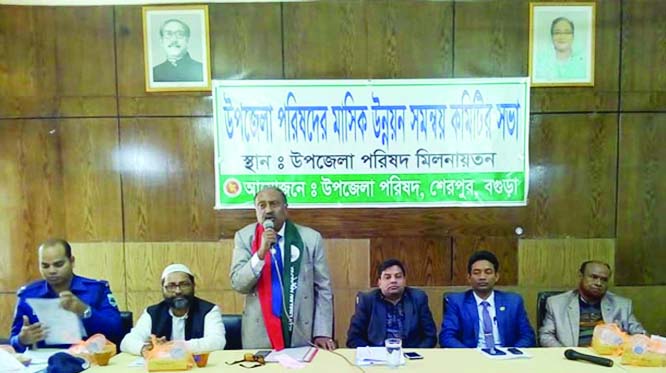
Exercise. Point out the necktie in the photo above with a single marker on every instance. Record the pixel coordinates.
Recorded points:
(276, 285)
(488, 327)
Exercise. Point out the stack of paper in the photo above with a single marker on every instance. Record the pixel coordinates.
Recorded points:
(373, 356)
(303, 354)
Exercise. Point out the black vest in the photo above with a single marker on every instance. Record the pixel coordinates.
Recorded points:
(194, 324)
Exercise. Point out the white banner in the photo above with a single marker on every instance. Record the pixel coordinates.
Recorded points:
(379, 143)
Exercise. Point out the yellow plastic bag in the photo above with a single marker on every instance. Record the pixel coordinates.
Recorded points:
(96, 349)
(608, 339)
(639, 350)
(168, 356)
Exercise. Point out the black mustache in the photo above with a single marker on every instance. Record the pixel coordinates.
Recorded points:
(174, 44)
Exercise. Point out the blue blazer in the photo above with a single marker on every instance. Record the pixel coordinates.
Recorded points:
(460, 327)
(368, 324)
(104, 319)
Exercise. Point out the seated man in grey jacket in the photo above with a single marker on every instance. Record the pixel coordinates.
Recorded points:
(571, 317)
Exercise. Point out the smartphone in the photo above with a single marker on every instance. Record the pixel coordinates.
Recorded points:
(514, 351)
(413, 356)
(263, 353)
(496, 352)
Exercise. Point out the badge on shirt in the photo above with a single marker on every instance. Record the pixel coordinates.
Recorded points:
(112, 300)
(295, 253)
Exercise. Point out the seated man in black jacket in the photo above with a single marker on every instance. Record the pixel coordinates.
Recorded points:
(180, 316)
(392, 311)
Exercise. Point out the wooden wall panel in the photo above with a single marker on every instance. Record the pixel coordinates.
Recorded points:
(86, 71)
(427, 260)
(641, 226)
(555, 262)
(572, 176)
(132, 96)
(209, 261)
(325, 40)
(349, 262)
(243, 39)
(167, 171)
(485, 44)
(503, 247)
(643, 55)
(103, 261)
(31, 194)
(91, 179)
(392, 29)
(61, 62)
(604, 95)
(7, 306)
(28, 67)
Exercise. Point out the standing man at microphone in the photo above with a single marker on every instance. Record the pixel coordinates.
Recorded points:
(282, 270)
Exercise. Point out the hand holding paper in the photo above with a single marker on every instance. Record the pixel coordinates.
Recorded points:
(31, 333)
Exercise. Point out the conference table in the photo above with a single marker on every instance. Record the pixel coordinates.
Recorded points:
(434, 360)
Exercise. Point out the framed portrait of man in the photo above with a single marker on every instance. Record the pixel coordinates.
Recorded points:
(176, 48)
(562, 44)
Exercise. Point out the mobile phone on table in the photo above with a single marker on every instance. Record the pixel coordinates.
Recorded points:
(514, 351)
(413, 356)
(493, 352)
(263, 353)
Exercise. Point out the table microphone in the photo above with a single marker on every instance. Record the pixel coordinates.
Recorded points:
(575, 355)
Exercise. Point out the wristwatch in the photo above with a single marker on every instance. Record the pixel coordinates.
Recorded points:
(87, 313)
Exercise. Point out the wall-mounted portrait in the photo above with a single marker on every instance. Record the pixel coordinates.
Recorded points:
(562, 44)
(176, 48)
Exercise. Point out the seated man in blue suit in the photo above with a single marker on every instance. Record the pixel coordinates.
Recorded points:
(483, 317)
(392, 311)
(91, 300)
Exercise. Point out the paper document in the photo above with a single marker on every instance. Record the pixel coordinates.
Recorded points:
(303, 354)
(373, 356)
(504, 353)
(8, 363)
(64, 327)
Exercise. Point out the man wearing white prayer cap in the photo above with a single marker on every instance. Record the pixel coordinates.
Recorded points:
(180, 316)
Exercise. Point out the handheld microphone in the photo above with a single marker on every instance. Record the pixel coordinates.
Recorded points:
(575, 355)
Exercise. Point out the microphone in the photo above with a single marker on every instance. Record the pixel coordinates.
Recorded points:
(575, 355)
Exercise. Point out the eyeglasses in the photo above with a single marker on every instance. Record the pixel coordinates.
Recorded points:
(251, 358)
(184, 286)
(174, 34)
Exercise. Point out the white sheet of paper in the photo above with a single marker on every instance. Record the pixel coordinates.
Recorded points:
(139, 362)
(64, 327)
(9, 363)
(373, 356)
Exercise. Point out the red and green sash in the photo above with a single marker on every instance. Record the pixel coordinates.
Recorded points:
(278, 328)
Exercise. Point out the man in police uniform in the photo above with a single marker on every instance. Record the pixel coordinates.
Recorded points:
(89, 299)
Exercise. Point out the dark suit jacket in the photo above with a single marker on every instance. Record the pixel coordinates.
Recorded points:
(368, 324)
(460, 327)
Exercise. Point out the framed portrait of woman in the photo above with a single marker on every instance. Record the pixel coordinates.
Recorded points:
(176, 48)
(562, 44)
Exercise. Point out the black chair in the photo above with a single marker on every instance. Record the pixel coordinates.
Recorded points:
(542, 297)
(444, 304)
(232, 327)
(126, 323)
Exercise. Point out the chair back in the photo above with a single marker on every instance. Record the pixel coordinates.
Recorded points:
(232, 328)
(542, 297)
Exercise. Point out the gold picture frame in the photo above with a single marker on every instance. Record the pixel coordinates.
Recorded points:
(176, 46)
(562, 44)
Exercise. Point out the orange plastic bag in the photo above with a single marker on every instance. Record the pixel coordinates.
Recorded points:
(173, 355)
(608, 339)
(96, 349)
(639, 350)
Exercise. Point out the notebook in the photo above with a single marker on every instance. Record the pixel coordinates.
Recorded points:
(303, 354)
